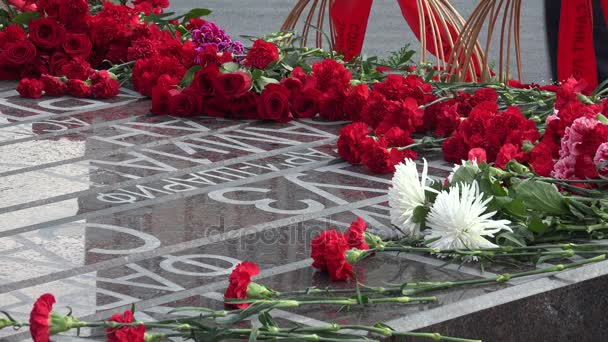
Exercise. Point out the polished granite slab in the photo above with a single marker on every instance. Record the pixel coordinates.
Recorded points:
(105, 205)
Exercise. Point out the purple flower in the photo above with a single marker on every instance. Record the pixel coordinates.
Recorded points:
(211, 34)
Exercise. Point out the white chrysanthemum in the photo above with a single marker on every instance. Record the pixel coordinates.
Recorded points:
(406, 194)
(458, 220)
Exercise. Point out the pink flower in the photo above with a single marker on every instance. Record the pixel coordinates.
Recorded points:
(601, 156)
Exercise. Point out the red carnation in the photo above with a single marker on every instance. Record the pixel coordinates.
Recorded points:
(378, 158)
(484, 95)
(79, 88)
(126, 333)
(77, 68)
(239, 280)
(541, 159)
(273, 103)
(39, 318)
(356, 234)
(105, 87)
(77, 45)
(19, 53)
(350, 142)
(478, 155)
(507, 153)
(330, 74)
(46, 33)
(455, 149)
(329, 254)
(232, 85)
(396, 137)
(53, 86)
(378, 108)
(31, 88)
(261, 54)
(355, 101)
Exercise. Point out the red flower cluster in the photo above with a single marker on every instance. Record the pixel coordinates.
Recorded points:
(126, 334)
(379, 153)
(567, 109)
(239, 281)
(262, 54)
(68, 42)
(329, 250)
(501, 135)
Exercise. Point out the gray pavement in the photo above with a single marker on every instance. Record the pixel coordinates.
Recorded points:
(387, 30)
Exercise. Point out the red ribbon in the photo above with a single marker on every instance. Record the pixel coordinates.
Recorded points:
(576, 54)
(350, 20)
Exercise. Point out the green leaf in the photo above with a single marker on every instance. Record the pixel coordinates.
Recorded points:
(516, 208)
(465, 174)
(503, 239)
(420, 213)
(25, 17)
(231, 67)
(536, 225)
(541, 196)
(196, 13)
(189, 76)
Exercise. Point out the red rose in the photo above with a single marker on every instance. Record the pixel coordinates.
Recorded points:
(204, 80)
(24, 5)
(31, 88)
(261, 54)
(356, 234)
(478, 155)
(306, 103)
(127, 333)
(12, 34)
(79, 88)
(77, 45)
(273, 103)
(244, 107)
(294, 86)
(351, 140)
(160, 99)
(19, 53)
(53, 86)
(232, 85)
(378, 158)
(239, 280)
(46, 32)
(77, 68)
(34, 69)
(57, 61)
(39, 318)
(48, 8)
(355, 101)
(105, 88)
(185, 103)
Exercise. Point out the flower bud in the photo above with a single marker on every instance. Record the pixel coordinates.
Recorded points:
(257, 291)
(354, 255)
(154, 337)
(517, 167)
(374, 241)
(5, 323)
(584, 99)
(60, 323)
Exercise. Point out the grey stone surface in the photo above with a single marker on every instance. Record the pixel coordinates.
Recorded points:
(105, 205)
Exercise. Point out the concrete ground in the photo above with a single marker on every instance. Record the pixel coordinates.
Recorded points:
(387, 30)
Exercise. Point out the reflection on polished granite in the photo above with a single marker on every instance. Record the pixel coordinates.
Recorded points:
(105, 205)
